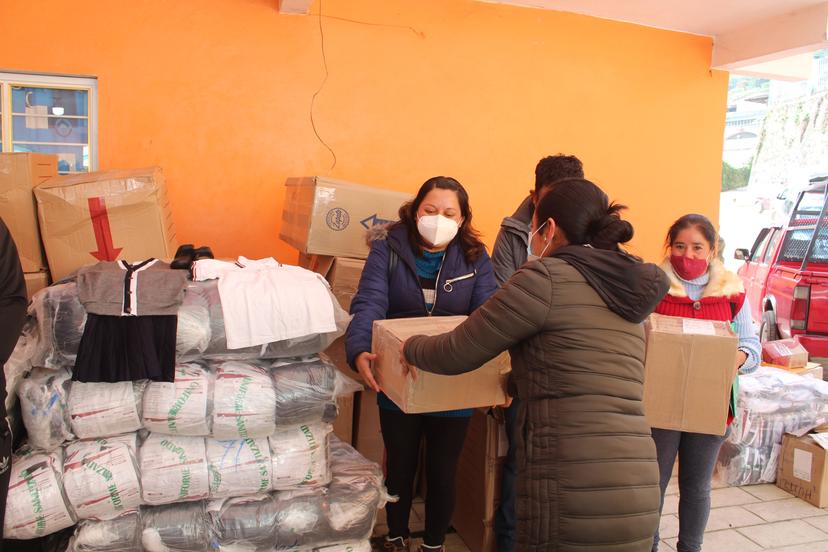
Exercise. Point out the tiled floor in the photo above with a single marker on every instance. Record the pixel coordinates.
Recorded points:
(743, 519)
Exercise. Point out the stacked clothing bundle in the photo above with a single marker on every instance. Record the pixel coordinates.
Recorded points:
(312, 519)
(772, 402)
(158, 412)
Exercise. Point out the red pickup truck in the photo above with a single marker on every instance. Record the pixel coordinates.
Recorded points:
(786, 273)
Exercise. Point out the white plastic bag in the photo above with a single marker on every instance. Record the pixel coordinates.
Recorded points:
(173, 469)
(36, 505)
(101, 480)
(300, 456)
(105, 409)
(244, 402)
(18, 365)
(121, 534)
(239, 467)
(44, 397)
(180, 408)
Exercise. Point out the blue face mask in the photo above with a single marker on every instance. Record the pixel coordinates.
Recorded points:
(531, 256)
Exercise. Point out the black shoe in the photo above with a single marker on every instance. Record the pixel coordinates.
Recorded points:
(203, 252)
(184, 256)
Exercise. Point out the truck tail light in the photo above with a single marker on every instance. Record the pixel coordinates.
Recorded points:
(799, 310)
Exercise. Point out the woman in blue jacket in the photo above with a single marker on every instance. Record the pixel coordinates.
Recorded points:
(430, 263)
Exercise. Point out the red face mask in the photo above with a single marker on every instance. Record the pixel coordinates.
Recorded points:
(687, 268)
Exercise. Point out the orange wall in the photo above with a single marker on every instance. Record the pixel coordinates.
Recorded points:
(218, 93)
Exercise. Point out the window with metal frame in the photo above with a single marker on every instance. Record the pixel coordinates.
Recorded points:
(51, 114)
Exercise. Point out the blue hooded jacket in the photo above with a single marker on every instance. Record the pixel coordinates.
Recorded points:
(380, 297)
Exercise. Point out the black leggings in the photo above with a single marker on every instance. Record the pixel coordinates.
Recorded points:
(444, 438)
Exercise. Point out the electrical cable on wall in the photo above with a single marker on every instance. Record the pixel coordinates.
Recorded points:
(320, 15)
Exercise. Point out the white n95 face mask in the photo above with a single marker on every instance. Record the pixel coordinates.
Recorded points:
(437, 229)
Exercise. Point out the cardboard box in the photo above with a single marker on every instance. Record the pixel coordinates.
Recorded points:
(810, 370)
(432, 392)
(690, 366)
(19, 174)
(104, 216)
(785, 353)
(323, 216)
(367, 433)
(343, 426)
(478, 481)
(802, 470)
(35, 281)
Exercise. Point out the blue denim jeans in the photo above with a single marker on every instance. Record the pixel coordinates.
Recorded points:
(506, 516)
(697, 455)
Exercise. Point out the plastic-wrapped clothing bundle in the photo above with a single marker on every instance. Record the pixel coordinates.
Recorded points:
(122, 534)
(104, 409)
(207, 294)
(239, 468)
(177, 527)
(44, 398)
(300, 456)
(279, 521)
(360, 546)
(771, 403)
(18, 365)
(173, 469)
(183, 407)
(36, 505)
(101, 480)
(304, 391)
(193, 335)
(244, 401)
(60, 320)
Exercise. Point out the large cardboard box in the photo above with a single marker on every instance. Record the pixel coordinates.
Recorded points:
(367, 433)
(35, 281)
(432, 392)
(690, 366)
(478, 481)
(323, 216)
(343, 426)
(19, 174)
(104, 216)
(803, 471)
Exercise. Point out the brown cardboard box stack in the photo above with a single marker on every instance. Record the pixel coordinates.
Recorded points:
(323, 216)
(690, 366)
(104, 216)
(478, 481)
(803, 470)
(19, 174)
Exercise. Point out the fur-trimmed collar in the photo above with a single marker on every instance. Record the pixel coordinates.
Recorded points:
(377, 232)
(722, 283)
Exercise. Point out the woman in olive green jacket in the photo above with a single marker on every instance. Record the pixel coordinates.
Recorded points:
(571, 319)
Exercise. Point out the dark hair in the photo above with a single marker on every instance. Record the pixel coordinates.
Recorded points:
(557, 167)
(701, 223)
(469, 237)
(582, 210)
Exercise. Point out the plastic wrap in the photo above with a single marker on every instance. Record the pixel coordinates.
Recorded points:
(177, 527)
(239, 468)
(122, 534)
(105, 409)
(173, 469)
(244, 402)
(304, 391)
(206, 294)
(360, 546)
(18, 365)
(44, 398)
(183, 407)
(101, 479)
(36, 505)
(300, 456)
(193, 336)
(60, 321)
(771, 403)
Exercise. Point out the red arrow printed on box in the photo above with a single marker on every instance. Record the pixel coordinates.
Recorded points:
(103, 233)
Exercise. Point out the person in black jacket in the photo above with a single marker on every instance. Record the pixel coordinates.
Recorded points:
(12, 315)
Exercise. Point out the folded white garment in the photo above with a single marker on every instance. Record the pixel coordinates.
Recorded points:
(274, 304)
